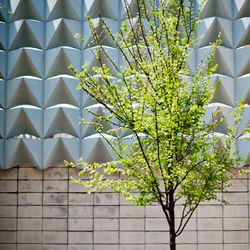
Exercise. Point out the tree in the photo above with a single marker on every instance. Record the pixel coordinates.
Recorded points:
(171, 155)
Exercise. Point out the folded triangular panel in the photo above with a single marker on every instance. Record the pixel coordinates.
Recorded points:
(62, 90)
(242, 32)
(242, 8)
(217, 8)
(222, 126)
(23, 151)
(23, 121)
(88, 100)
(24, 91)
(96, 62)
(70, 9)
(61, 32)
(103, 37)
(25, 62)
(3, 40)
(243, 88)
(225, 90)
(245, 122)
(2, 94)
(2, 119)
(26, 34)
(243, 145)
(61, 120)
(95, 149)
(243, 61)
(212, 27)
(1, 155)
(133, 8)
(56, 151)
(89, 117)
(27, 9)
(4, 11)
(2, 65)
(225, 66)
(103, 8)
(215, 113)
(138, 29)
(58, 61)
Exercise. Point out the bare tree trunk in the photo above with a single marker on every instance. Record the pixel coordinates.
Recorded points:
(172, 233)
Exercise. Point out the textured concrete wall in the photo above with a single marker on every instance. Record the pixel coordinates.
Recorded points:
(42, 209)
(39, 109)
(39, 103)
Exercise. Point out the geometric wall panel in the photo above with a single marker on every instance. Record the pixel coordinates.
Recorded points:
(2, 94)
(25, 62)
(225, 90)
(242, 8)
(61, 120)
(105, 8)
(23, 151)
(96, 149)
(89, 117)
(24, 90)
(3, 40)
(2, 64)
(59, 59)
(70, 9)
(57, 150)
(62, 90)
(2, 123)
(26, 9)
(26, 33)
(21, 121)
(3, 13)
(221, 111)
(93, 62)
(212, 27)
(39, 102)
(243, 88)
(242, 32)
(1, 154)
(103, 35)
(243, 61)
(243, 147)
(245, 122)
(225, 66)
(61, 32)
(218, 8)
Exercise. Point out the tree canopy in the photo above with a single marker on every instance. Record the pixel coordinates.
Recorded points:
(155, 102)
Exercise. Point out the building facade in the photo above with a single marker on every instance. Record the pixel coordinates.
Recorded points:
(39, 108)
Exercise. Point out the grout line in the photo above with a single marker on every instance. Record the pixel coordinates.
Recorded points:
(7, 23)
(17, 206)
(43, 110)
